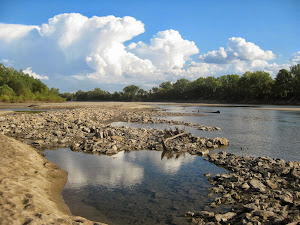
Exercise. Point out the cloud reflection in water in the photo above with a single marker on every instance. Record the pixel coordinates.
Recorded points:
(87, 169)
(120, 170)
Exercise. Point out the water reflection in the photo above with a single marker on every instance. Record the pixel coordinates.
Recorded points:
(138, 187)
(88, 169)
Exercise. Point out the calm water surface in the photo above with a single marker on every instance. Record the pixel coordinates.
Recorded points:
(141, 188)
(250, 131)
(136, 187)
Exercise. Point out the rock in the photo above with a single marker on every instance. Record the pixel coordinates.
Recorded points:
(99, 134)
(294, 223)
(86, 129)
(189, 214)
(213, 157)
(116, 138)
(207, 174)
(206, 214)
(271, 184)
(295, 174)
(112, 150)
(250, 206)
(224, 217)
(203, 152)
(286, 197)
(264, 214)
(257, 185)
(245, 186)
(209, 144)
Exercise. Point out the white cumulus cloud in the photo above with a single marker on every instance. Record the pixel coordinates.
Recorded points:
(75, 52)
(239, 57)
(35, 75)
(296, 58)
(74, 44)
(12, 32)
(237, 49)
(167, 50)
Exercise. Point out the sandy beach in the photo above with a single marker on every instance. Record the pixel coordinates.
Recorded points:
(30, 187)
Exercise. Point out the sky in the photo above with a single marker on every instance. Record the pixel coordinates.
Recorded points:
(80, 45)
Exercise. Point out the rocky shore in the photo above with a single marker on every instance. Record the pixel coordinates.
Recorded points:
(261, 191)
(30, 185)
(89, 130)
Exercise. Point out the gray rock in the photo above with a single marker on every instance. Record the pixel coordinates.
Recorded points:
(257, 185)
(245, 186)
(224, 217)
(264, 214)
(271, 184)
(287, 197)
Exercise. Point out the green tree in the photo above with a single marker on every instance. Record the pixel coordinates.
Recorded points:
(180, 89)
(256, 85)
(229, 87)
(295, 71)
(130, 92)
(197, 89)
(211, 87)
(283, 85)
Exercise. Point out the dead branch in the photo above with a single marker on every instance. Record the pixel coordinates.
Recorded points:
(163, 142)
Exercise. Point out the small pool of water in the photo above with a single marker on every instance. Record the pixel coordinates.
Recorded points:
(138, 187)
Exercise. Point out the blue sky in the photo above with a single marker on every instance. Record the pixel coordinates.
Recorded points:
(268, 33)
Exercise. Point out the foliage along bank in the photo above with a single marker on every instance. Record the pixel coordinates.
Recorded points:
(252, 87)
(15, 86)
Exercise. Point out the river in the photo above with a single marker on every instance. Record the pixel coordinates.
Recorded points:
(141, 187)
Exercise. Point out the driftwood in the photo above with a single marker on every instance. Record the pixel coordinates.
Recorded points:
(170, 132)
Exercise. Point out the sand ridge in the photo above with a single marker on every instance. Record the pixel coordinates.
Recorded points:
(30, 187)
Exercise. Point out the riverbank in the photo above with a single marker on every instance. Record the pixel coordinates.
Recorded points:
(86, 128)
(75, 105)
(30, 187)
(137, 105)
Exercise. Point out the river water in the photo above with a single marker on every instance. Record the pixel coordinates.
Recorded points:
(141, 187)
(251, 131)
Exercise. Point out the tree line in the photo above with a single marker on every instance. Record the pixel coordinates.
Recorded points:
(16, 86)
(256, 87)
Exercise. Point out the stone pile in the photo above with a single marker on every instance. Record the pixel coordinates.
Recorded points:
(87, 129)
(261, 190)
(110, 140)
(147, 119)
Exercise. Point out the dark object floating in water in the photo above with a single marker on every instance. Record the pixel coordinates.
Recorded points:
(215, 112)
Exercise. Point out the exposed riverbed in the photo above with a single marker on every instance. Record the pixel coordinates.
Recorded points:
(87, 130)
